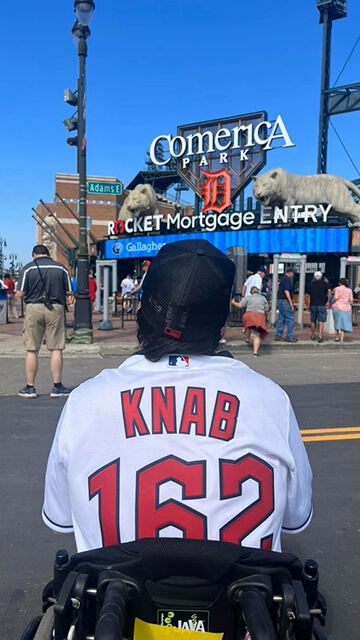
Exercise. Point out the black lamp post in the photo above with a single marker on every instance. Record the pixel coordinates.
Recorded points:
(12, 259)
(2, 257)
(84, 10)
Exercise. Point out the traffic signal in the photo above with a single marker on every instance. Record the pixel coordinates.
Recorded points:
(71, 97)
(71, 124)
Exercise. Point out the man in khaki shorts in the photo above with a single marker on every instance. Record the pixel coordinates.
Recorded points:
(44, 284)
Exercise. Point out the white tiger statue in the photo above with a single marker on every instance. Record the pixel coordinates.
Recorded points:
(141, 201)
(278, 188)
(47, 238)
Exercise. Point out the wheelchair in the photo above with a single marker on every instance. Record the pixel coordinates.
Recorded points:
(199, 585)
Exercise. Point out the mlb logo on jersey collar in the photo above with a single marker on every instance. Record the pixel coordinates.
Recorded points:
(180, 362)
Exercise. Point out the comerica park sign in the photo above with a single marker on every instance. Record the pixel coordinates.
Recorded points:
(218, 158)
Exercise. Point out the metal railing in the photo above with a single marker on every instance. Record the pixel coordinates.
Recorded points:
(127, 309)
(355, 314)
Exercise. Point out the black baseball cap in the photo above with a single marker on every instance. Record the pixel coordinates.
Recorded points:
(186, 292)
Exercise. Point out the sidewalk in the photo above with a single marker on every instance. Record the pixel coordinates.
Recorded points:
(122, 342)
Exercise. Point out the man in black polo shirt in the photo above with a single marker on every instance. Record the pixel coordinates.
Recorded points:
(317, 298)
(44, 284)
(285, 305)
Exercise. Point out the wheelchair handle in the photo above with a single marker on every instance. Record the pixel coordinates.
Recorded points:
(256, 615)
(113, 611)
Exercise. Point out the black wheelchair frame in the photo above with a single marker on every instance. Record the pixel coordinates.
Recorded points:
(97, 595)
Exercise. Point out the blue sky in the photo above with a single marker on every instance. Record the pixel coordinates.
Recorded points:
(152, 66)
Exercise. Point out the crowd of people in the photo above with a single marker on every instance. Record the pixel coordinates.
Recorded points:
(131, 287)
(325, 304)
(10, 285)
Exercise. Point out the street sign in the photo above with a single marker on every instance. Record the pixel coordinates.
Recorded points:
(107, 188)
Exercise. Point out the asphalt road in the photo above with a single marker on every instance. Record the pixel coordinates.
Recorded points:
(324, 390)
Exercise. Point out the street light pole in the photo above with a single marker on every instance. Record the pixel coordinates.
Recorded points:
(12, 259)
(2, 257)
(82, 302)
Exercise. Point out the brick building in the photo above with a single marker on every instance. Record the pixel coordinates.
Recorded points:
(57, 224)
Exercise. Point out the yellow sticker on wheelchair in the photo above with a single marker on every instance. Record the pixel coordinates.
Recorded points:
(147, 631)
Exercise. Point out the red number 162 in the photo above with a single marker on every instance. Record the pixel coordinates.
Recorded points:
(152, 515)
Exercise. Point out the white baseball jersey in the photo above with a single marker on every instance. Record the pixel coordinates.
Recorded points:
(127, 286)
(192, 446)
(253, 281)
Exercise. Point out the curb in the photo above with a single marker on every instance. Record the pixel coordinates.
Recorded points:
(239, 347)
(101, 350)
(301, 346)
(117, 349)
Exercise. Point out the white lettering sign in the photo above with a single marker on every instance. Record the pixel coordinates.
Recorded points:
(263, 134)
(290, 214)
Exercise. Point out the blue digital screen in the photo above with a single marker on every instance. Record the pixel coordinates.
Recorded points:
(311, 240)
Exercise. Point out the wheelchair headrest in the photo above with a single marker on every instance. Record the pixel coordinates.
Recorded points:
(159, 558)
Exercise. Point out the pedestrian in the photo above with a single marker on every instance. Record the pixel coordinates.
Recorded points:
(254, 319)
(356, 295)
(175, 442)
(341, 306)
(92, 288)
(285, 305)
(71, 299)
(138, 288)
(10, 286)
(317, 300)
(255, 280)
(127, 286)
(44, 284)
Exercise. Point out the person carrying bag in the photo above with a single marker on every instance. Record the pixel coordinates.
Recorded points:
(44, 285)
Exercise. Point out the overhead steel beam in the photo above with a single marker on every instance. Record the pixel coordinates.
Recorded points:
(69, 235)
(93, 238)
(48, 230)
(343, 101)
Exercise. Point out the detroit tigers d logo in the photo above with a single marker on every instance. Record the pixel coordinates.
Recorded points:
(216, 191)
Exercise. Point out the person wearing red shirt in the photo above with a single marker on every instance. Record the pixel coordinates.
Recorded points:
(92, 287)
(10, 284)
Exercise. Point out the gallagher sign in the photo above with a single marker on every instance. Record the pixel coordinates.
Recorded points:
(218, 158)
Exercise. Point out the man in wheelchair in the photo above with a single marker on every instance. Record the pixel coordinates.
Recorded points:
(177, 473)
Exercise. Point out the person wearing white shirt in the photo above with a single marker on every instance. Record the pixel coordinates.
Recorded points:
(127, 286)
(175, 443)
(144, 265)
(253, 281)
